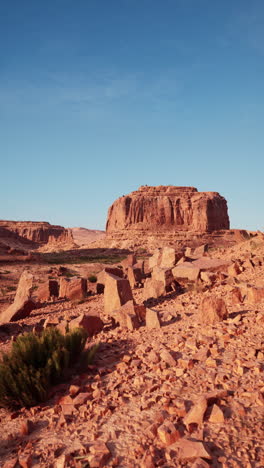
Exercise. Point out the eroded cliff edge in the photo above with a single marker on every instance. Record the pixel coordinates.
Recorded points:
(168, 215)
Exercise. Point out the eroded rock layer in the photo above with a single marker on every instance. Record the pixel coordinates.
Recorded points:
(168, 209)
(39, 232)
(18, 237)
(167, 214)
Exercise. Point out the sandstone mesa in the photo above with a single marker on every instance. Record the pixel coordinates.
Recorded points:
(167, 215)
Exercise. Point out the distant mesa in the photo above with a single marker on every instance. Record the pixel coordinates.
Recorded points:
(168, 208)
(169, 215)
(20, 237)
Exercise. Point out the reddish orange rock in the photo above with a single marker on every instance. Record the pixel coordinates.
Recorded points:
(91, 323)
(153, 288)
(25, 461)
(217, 415)
(236, 296)
(73, 288)
(212, 310)
(116, 293)
(170, 208)
(168, 433)
(126, 316)
(152, 319)
(134, 276)
(23, 304)
(48, 290)
(11, 463)
(255, 295)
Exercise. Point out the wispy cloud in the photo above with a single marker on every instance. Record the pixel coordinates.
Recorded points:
(80, 91)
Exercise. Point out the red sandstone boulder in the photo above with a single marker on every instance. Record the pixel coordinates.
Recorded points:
(73, 288)
(169, 257)
(112, 270)
(23, 304)
(211, 264)
(134, 276)
(154, 260)
(236, 296)
(208, 277)
(48, 290)
(165, 276)
(152, 319)
(153, 289)
(116, 293)
(233, 270)
(255, 295)
(186, 271)
(126, 316)
(91, 323)
(212, 310)
(200, 251)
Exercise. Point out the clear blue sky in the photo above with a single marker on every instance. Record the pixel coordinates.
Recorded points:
(98, 97)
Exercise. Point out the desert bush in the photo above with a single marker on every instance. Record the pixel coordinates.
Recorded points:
(92, 278)
(36, 362)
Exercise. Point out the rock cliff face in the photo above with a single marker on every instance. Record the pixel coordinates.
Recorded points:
(167, 213)
(168, 209)
(39, 233)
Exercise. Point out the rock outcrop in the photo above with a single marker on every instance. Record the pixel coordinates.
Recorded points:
(167, 214)
(169, 209)
(23, 304)
(37, 232)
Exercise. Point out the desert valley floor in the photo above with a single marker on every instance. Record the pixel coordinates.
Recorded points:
(187, 394)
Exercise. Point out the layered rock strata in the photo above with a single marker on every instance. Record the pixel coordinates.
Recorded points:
(167, 214)
(31, 234)
(168, 209)
(38, 232)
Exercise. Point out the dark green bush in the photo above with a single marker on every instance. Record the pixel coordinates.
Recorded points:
(92, 279)
(36, 362)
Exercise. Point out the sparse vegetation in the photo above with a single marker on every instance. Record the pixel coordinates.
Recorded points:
(62, 259)
(36, 362)
(69, 274)
(92, 278)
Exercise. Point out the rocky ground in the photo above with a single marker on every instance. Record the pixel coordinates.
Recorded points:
(184, 395)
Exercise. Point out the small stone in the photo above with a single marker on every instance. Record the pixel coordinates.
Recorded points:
(188, 449)
(11, 463)
(212, 310)
(167, 433)
(217, 415)
(196, 413)
(167, 357)
(25, 460)
(26, 427)
(152, 319)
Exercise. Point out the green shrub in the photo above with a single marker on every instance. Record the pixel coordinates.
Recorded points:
(36, 362)
(92, 279)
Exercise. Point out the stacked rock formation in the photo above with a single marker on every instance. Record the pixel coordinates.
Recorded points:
(163, 215)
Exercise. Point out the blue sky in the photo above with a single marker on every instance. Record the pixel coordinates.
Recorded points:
(98, 97)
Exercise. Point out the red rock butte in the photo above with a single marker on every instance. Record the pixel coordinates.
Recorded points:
(169, 215)
(168, 208)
